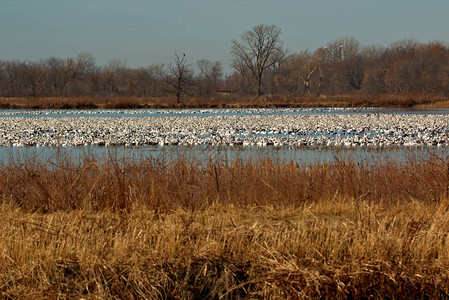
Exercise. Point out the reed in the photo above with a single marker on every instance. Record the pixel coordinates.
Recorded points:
(161, 228)
(170, 183)
(234, 101)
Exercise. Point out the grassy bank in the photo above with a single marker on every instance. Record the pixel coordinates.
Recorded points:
(431, 101)
(180, 229)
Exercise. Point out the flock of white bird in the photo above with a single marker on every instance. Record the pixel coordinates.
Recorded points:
(286, 127)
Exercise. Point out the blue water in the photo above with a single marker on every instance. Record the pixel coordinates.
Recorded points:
(194, 112)
(302, 156)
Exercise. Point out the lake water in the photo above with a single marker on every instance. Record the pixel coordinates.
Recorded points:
(204, 153)
(194, 112)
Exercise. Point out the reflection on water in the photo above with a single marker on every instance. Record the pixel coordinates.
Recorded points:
(305, 156)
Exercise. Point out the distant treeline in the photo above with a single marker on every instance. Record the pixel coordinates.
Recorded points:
(341, 67)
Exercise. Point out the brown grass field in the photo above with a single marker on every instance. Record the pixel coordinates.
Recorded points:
(122, 102)
(184, 229)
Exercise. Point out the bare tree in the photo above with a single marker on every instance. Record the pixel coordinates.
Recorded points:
(261, 49)
(310, 69)
(85, 65)
(345, 53)
(56, 79)
(324, 68)
(143, 82)
(209, 76)
(17, 73)
(117, 74)
(376, 66)
(373, 52)
(305, 65)
(374, 80)
(37, 76)
(178, 75)
(405, 46)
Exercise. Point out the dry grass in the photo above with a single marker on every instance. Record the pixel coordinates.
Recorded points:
(224, 230)
(115, 102)
(436, 104)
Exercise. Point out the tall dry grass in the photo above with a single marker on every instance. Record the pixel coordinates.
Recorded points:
(233, 101)
(165, 184)
(183, 229)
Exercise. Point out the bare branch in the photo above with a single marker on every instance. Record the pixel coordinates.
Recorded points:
(260, 50)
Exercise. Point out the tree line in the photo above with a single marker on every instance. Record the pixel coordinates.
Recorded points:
(260, 64)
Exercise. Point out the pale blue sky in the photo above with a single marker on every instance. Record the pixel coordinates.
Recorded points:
(145, 32)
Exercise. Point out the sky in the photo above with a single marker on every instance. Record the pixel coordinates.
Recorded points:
(145, 32)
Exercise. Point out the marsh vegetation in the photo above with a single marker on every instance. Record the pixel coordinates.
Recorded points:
(223, 229)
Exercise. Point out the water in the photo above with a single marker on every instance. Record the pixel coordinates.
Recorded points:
(197, 112)
(202, 154)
